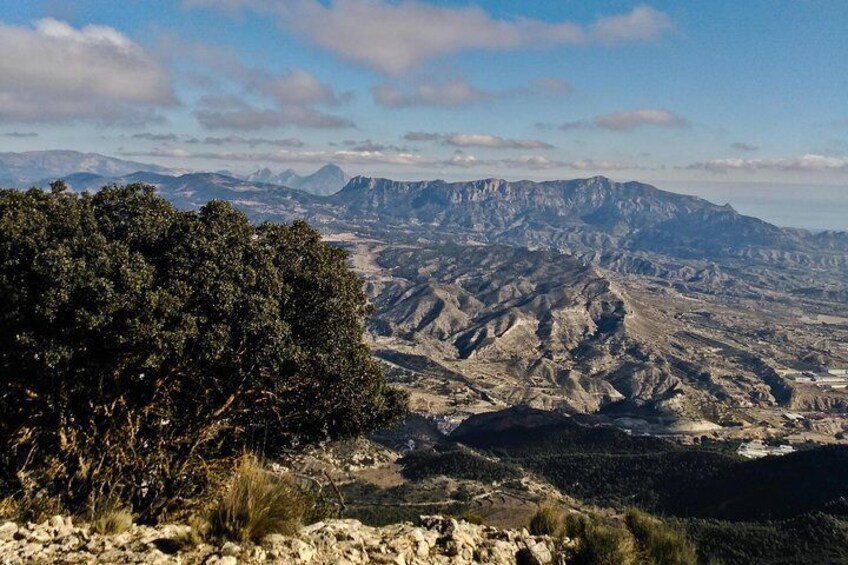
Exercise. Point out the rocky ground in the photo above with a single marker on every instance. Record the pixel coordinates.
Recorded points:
(435, 540)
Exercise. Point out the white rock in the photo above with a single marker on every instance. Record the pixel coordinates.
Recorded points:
(8, 531)
(40, 536)
(272, 540)
(302, 551)
(222, 560)
(231, 549)
(541, 552)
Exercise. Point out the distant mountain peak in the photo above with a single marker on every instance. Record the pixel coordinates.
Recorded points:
(327, 180)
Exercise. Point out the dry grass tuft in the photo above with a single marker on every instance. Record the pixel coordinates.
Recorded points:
(659, 543)
(255, 504)
(110, 518)
(196, 534)
(606, 544)
(547, 521)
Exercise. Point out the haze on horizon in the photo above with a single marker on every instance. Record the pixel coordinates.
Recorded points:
(739, 102)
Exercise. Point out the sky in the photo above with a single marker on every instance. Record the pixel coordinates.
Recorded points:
(739, 102)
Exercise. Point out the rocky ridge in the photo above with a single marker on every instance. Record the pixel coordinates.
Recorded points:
(436, 540)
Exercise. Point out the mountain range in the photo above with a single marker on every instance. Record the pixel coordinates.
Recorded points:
(584, 295)
(23, 169)
(87, 171)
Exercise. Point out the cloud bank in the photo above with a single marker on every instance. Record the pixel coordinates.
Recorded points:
(52, 71)
(810, 162)
(476, 140)
(449, 94)
(233, 113)
(624, 121)
(395, 37)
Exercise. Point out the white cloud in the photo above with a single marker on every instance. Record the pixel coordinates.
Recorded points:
(641, 24)
(394, 37)
(531, 162)
(422, 136)
(476, 140)
(642, 117)
(236, 114)
(369, 145)
(493, 142)
(368, 156)
(448, 94)
(743, 146)
(622, 121)
(53, 72)
(807, 163)
(593, 165)
(298, 87)
(458, 92)
(292, 97)
(463, 160)
(250, 141)
(284, 156)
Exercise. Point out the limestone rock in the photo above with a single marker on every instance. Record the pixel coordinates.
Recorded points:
(435, 540)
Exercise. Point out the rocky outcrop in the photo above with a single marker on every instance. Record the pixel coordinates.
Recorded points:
(435, 540)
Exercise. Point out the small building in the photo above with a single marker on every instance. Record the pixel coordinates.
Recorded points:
(757, 449)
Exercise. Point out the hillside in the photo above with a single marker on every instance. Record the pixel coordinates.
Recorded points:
(507, 326)
(608, 467)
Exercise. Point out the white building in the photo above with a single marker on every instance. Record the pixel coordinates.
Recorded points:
(756, 449)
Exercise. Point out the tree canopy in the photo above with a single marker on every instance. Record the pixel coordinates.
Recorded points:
(139, 344)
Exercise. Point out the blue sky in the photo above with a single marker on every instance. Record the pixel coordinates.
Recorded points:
(737, 101)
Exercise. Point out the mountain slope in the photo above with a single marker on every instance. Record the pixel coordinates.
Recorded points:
(635, 216)
(21, 169)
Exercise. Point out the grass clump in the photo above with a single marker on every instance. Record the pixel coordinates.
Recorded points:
(109, 517)
(256, 504)
(659, 544)
(194, 535)
(595, 540)
(606, 543)
(547, 521)
(574, 525)
(639, 538)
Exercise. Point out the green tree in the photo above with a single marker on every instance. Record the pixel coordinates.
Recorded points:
(142, 346)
